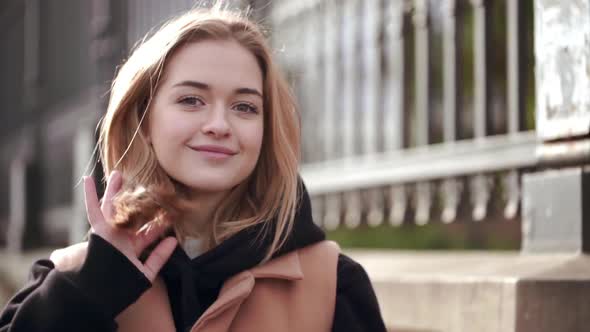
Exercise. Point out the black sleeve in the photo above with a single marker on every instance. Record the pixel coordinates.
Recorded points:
(86, 299)
(356, 309)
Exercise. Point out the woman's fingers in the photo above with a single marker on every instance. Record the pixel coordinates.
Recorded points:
(158, 257)
(114, 184)
(95, 217)
(131, 245)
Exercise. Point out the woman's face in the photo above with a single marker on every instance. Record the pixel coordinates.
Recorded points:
(206, 119)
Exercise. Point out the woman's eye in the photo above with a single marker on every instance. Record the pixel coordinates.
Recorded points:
(191, 101)
(246, 108)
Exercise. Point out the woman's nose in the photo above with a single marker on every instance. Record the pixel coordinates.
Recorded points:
(216, 124)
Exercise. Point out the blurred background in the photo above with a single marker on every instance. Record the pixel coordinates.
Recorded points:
(394, 81)
(421, 118)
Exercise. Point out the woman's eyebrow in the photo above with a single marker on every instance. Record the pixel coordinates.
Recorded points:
(248, 91)
(194, 84)
(204, 86)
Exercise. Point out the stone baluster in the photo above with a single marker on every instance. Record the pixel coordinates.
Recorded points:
(350, 51)
(451, 188)
(371, 99)
(423, 190)
(480, 185)
(516, 105)
(394, 99)
(331, 99)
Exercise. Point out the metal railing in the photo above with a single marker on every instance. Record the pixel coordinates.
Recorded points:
(407, 102)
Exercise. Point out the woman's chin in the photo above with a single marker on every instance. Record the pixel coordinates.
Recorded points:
(211, 184)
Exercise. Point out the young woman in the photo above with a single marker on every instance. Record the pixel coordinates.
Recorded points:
(205, 224)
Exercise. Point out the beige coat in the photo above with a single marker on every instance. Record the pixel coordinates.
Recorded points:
(294, 292)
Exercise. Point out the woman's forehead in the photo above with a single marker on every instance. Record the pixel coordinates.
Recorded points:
(215, 63)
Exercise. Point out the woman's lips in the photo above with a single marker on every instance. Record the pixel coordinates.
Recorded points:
(214, 151)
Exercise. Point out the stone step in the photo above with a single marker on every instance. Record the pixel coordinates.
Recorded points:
(480, 291)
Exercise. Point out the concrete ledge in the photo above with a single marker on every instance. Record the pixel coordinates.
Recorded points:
(480, 291)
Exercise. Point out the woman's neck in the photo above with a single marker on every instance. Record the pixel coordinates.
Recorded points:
(201, 217)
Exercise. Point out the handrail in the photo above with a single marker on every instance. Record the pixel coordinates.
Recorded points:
(437, 161)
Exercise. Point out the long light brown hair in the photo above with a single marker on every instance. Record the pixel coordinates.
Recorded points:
(269, 196)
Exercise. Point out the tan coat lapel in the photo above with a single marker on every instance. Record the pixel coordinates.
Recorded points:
(236, 289)
(244, 307)
(294, 294)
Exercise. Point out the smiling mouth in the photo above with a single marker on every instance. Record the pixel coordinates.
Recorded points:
(216, 152)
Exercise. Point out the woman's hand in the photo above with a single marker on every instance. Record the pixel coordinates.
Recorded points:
(131, 244)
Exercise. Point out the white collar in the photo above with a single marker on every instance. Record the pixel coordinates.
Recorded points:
(193, 246)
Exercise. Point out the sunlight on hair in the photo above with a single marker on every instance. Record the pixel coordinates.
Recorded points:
(268, 196)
